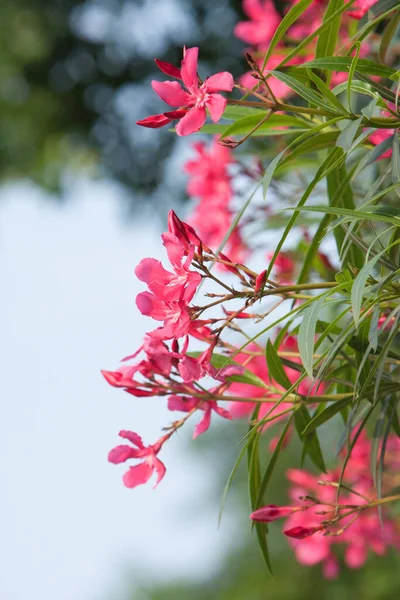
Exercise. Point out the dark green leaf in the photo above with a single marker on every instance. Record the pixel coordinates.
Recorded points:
(275, 368)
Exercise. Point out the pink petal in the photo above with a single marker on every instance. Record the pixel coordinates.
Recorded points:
(133, 437)
(150, 306)
(252, 32)
(193, 121)
(216, 105)
(175, 248)
(331, 567)
(222, 412)
(171, 92)
(220, 82)
(204, 423)
(150, 269)
(189, 68)
(121, 453)
(255, 10)
(356, 555)
(189, 369)
(137, 475)
(168, 69)
(176, 402)
(160, 469)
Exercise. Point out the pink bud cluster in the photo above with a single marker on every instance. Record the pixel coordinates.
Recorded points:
(325, 519)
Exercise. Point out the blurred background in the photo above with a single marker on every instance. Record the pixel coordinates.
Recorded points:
(84, 195)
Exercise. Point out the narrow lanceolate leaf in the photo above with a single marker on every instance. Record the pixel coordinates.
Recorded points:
(269, 173)
(351, 74)
(291, 17)
(387, 37)
(311, 445)
(377, 9)
(347, 135)
(374, 328)
(248, 123)
(304, 91)
(229, 483)
(334, 158)
(327, 40)
(306, 336)
(275, 367)
(396, 161)
(272, 462)
(327, 414)
(357, 291)
(253, 463)
(343, 64)
(326, 92)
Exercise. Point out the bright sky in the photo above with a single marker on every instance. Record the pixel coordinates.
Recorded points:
(69, 529)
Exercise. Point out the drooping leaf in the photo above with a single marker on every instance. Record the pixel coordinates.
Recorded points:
(275, 367)
(327, 414)
(311, 445)
(343, 63)
(306, 337)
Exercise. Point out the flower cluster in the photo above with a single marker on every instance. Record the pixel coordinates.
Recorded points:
(332, 348)
(325, 518)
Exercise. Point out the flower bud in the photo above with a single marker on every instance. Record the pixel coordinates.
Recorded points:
(271, 512)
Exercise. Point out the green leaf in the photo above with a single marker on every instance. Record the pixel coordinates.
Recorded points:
(304, 91)
(387, 37)
(326, 43)
(311, 445)
(269, 173)
(396, 162)
(326, 92)
(357, 291)
(342, 64)
(352, 69)
(291, 17)
(327, 414)
(272, 462)
(347, 135)
(306, 336)
(254, 487)
(377, 9)
(247, 124)
(334, 158)
(275, 367)
(319, 141)
(357, 215)
(234, 112)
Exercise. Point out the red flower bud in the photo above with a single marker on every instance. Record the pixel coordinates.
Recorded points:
(260, 282)
(154, 121)
(269, 513)
(299, 533)
(168, 69)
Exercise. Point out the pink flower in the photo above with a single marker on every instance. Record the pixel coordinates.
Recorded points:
(209, 175)
(188, 404)
(142, 472)
(264, 19)
(361, 6)
(271, 512)
(170, 292)
(195, 99)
